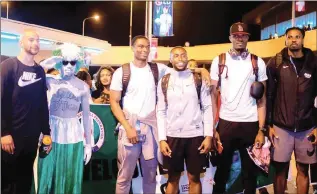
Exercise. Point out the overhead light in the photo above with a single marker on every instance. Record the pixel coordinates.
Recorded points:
(92, 50)
(96, 17)
(45, 41)
(12, 37)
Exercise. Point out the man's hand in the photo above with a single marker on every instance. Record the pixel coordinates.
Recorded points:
(99, 100)
(259, 139)
(216, 142)
(7, 144)
(87, 153)
(51, 62)
(50, 147)
(132, 136)
(272, 135)
(314, 132)
(165, 149)
(205, 146)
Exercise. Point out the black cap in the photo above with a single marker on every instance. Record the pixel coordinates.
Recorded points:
(239, 28)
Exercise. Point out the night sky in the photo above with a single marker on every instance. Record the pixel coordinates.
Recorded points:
(197, 22)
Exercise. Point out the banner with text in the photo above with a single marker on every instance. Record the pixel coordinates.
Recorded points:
(101, 172)
(163, 18)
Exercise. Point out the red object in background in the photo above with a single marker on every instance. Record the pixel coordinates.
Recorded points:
(300, 6)
(154, 44)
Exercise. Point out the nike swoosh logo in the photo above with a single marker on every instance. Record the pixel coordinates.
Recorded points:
(22, 83)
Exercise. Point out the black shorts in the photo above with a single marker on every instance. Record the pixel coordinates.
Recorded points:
(185, 149)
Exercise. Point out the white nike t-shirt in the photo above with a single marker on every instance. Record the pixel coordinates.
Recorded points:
(237, 105)
(140, 97)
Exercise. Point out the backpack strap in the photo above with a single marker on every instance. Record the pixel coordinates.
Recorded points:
(221, 66)
(254, 61)
(155, 72)
(164, 85)
(126, 73)
(198, 84)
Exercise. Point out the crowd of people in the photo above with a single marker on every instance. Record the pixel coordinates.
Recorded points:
(177, 111)
(305, 28)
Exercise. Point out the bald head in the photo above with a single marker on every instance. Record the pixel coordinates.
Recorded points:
(177, 48)
(30, 42)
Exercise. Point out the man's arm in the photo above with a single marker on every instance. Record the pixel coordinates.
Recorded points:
(204, 74)
(214, 99)
(7, 142)
(206, 145)
(6, 96)
(214, 71)
(161, 109)
(86, 112)
(161, 113)
(270, 91)
(86, 123)
(115, 97)
(207, 111)
(44, 114)
(261, 104)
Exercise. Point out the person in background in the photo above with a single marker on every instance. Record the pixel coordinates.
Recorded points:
(84, 69)
(192, 63)
(85, 76)
(102, 94)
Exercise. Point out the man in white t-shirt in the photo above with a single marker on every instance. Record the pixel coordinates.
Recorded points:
(241, 117)
(137, 136)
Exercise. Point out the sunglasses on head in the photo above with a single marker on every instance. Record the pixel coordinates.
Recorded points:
(73, 63)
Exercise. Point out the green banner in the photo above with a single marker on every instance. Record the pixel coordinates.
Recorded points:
(101, 172)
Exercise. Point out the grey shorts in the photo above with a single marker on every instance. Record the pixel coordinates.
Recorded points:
(288, 141)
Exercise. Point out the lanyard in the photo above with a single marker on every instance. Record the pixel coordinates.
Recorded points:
(290, 58)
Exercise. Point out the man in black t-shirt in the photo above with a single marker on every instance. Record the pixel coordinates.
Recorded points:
(24, 115)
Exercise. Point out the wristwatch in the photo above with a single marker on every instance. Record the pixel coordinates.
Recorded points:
(263, 129)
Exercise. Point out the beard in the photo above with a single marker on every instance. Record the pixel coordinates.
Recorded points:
(141, 58)
(240, 50)
(294, 49)
(31, 51)
(180, 69)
